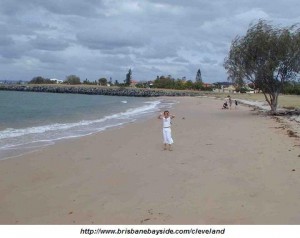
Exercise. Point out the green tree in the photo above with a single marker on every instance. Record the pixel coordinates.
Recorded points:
(72, 79)
(267, 56)
(37, 80)
(86, 81)
(128, 78)
(102, 81)
(116, 83)
(178, 84)
(164, 82)
(198, 85)
(198, 76)
(292, 88)
(41, 80)
(189, 84)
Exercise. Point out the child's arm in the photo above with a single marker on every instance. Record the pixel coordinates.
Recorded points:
(160, 116)
(172, 116)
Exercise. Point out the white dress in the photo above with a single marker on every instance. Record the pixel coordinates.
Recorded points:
(167, 131)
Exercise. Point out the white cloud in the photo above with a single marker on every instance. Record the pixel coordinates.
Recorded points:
(252, 14)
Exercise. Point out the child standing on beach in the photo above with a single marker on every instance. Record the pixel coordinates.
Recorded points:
(166, 118)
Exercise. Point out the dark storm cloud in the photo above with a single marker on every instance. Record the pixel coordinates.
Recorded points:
(61, 7)
(110, 39)
(43, 42)
(5, 41)
(72, 7)
(95, 38)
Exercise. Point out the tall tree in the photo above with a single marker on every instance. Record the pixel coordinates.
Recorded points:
(164, 82)
(37, 80)
(267, 56)
(102, 81)
(72, 79)
(199, 76)
(128, 78)
(41, 80)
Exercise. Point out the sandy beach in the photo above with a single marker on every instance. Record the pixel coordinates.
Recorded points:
(227, 167)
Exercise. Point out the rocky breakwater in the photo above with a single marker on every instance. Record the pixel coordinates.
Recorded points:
(112, 91)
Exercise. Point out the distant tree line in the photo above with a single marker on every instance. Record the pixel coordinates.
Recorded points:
(291, 88)
(41, 80)
(71, 79)
(165, 82)
(168, 82)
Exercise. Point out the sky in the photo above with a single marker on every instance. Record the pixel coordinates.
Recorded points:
(105, 38)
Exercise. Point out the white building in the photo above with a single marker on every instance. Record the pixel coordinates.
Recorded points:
(57, 80)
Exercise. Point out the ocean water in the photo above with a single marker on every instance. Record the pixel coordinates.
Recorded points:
(29, 121)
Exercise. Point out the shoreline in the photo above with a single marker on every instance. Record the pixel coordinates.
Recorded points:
(227, 167)
(62, 130)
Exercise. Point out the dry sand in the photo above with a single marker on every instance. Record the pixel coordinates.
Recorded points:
(227, 167)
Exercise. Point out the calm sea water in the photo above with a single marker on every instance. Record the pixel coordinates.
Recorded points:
(31, 120)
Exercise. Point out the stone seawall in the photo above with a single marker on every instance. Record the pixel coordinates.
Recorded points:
(113, 91)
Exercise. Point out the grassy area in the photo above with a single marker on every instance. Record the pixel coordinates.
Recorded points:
(287, 101)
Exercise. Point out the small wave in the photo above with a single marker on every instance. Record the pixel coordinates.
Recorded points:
(11, 132)
(15, 141)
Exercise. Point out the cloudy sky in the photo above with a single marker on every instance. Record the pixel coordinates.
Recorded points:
(104, 38)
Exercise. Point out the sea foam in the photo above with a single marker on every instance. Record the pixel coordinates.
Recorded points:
(13, 140)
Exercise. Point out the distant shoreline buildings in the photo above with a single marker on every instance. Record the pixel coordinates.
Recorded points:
(56, 80)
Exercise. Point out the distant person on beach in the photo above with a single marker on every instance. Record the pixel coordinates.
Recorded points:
(236, 103)
(166, 118)
(225, 105)
(229, 101)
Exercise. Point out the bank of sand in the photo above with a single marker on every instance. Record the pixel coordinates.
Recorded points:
(227, 167)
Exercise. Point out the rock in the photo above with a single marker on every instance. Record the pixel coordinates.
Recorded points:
(112, 91)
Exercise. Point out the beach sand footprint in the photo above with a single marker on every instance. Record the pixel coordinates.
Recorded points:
(154, 217)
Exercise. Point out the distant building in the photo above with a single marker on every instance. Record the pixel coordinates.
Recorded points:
(56, 80)
(228, 87)
(224, 87)
(207, 85)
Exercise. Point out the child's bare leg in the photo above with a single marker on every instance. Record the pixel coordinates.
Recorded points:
(165, 146)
